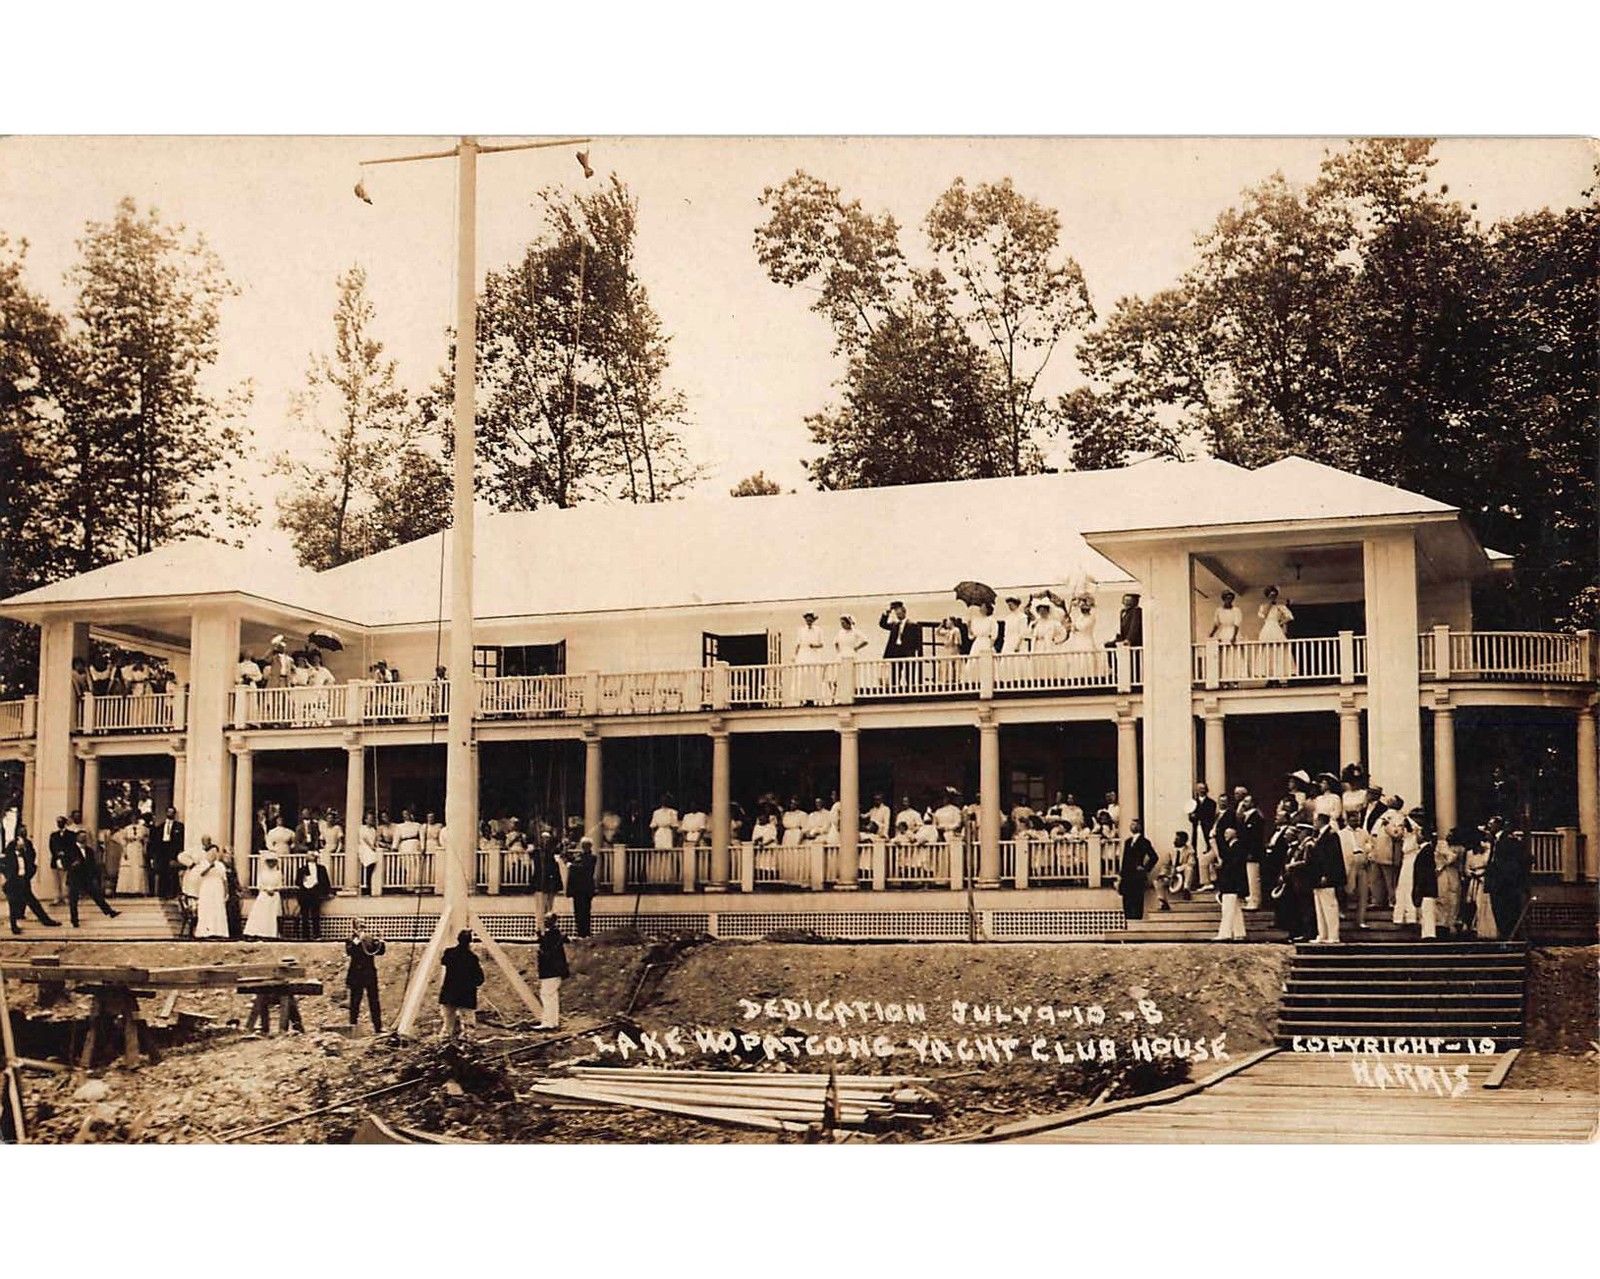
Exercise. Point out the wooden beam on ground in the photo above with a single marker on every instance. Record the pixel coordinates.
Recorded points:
(120, 975)
(1502, 1068)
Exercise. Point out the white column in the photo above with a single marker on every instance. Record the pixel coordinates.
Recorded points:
(849, 801)
(30, 779)
(90, 803)
(1394, 716)
(244, 790)
(55, 787)
(180, 770)
(593, 784)
(1444, 769)
(1216, 762)
(721, 812)
(988, 801)
(1128, 766)
(213, 656)
(1589, 793)
(355, 776)
(1349, 732)
(1167, 708)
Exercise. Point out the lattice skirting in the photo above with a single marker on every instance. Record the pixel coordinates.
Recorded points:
(857, 925)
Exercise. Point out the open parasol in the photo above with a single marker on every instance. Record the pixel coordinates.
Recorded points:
(327, 641)
(975, 593)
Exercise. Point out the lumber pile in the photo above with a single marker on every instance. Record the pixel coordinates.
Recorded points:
(769, 1102)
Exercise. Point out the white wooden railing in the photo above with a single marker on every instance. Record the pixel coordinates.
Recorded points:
(1525, 656)
(17, 718)
(1537, 656)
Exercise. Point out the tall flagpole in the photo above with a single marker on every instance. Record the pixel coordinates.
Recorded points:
(461, 781)
(461, 792)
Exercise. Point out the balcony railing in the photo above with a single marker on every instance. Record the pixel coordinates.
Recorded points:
(1535, 656)
(1504, 656)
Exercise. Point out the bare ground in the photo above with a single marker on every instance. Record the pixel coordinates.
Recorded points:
(219, 1084)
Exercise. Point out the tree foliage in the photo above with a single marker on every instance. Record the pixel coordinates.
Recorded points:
(573, 397)
(1368, 320)
(374, 478)
(942, 363)
(757, 485)
(113, 440)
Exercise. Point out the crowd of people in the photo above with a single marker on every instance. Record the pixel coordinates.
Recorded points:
(1336, 847)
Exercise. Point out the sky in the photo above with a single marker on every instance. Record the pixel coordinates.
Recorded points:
(751, 357)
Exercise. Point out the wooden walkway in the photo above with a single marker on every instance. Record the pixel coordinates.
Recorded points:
(1295, 1097)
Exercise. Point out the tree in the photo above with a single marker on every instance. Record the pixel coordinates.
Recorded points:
(33, 358)
(147, 450)
(1002, 247)
(757, 485)
(372, 481)
(997, 301)
(1367, 320)
(573, 399)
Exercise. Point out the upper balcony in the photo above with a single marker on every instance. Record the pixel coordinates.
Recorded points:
(1527, 657)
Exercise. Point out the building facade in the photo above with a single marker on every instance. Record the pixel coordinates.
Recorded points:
(624, 653)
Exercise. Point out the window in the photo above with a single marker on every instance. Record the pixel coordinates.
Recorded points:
(1029, 785)
(491, 661)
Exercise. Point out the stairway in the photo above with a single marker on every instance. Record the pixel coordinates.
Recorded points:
(1197, 920)
(138, 919)
(1448, 989)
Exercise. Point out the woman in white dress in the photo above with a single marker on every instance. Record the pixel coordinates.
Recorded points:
(1226, 624)
(1407, 836)
(1049, 638)
(848, 643)
(131, 881)
(810, 657)
(1275, 619)
(262, 922)
(763, 842)
(211, 896)
(1086, 660)
(664, 824)
(794, 824)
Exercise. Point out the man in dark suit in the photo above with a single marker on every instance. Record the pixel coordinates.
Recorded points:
(166, 842)
(1327, 876)
(307, 833)
(83, 878)
(1252, 825)
(62, 839)
(361, 979)
(904, 640)
(1133, 877)
(313, 887)
(1505, 878)
(20, 865)
(1130, 624)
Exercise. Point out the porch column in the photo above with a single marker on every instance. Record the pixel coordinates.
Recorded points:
(90, 802)
(1128, 766)
(1349, 732)
(244, 807)
(849, 803)
(1589, 793)
(988, 801)
(1216, 761)
(355, 773)
(213, 656)
(30, 781)
(593, 783)
(55, 784)
(721, 810)
(1444, 768)
(180, 768)
(1394, 717)
(1167, 706)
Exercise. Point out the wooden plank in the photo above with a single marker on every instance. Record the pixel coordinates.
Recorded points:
(309, 986)
(1497, 1076)
(743, 1119)
(76, 973)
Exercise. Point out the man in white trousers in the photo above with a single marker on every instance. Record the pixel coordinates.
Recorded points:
(552, 969)
(1327, 869)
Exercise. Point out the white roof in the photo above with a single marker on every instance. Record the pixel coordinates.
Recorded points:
(870, 543)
